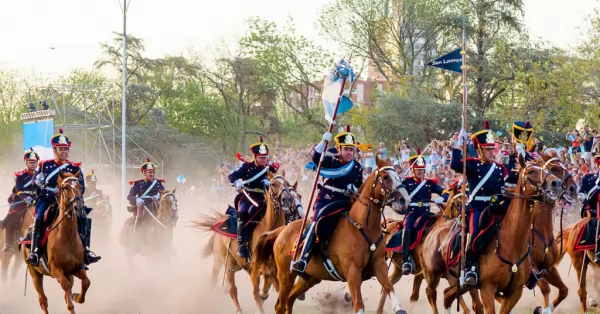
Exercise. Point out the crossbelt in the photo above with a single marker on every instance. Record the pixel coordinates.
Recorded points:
(334, 189)
(419, 204)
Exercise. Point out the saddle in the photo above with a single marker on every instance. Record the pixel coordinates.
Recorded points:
(489, 224)
(394, 244)
(49, 219)
(586, 239)
(228, 226)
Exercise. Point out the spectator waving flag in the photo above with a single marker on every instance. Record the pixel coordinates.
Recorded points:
(332, 87)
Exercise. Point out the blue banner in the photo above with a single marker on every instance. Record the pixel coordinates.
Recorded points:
(451, 61)
(37, 135)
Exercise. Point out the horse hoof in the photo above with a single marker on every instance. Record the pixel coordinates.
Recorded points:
(347, 297)
(593, 302)
(264, 297)
(538, 310)
(74, 297)
(302, 297)
(401, 312)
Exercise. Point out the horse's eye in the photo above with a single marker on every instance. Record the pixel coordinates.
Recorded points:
(386, 177)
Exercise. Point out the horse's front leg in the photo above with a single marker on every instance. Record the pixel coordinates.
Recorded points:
(381, 272)
(66, 285)
(38, 283)
(85, 285)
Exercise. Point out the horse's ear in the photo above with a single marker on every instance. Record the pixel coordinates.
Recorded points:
(283, 173)
(295, 185)
(380, 162)
(60, 174)
(78, 174)
(173, 191)
(522, 161)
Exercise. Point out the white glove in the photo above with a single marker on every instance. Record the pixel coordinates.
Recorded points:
(405, 195)
(327, 136)
(39, 179)
(239, 185)
(521, 149)
(156, 197)
(582, 196)
(439, 200)
(139, 201)
(28, 200)
(462, 137)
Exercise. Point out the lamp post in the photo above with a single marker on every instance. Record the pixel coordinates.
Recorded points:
(124, 8)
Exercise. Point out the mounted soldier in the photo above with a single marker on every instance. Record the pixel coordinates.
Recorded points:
(342, 178)
(250, 181)
(23, 195)
(144, 193)
(46, 179)
(93, 195)
(589, 192)
(485, 178)
(521, 139)
(420, 190)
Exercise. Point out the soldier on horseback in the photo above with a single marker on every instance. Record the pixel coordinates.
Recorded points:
(343, 177)
(94, 195)
(485, 178)
(522, 136)
(144, 193)
(23, 196)
(590, 194)
(420, 190)
(46, 179)
(250, 181)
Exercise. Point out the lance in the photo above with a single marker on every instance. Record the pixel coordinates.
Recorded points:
(463, 52)
(312, 193)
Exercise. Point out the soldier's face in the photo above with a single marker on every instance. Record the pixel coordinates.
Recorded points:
(262, 160)
(347, 153)
(419, 173)
(488, 153)
(62, 153)
(149, 175)
(31, 165)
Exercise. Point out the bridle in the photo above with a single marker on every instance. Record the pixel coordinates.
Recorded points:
(278, 204)
(386, 193)
(174, 207)
(71, 211)
(537, 187)
(566, 175)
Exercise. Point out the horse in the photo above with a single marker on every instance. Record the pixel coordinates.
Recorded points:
(5, 257)
(544, 249)
(153, 235)
(280, 197)
(355, 250)
(64, 250)
(451, 210)
(504, 266)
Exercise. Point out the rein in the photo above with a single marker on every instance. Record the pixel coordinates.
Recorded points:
(70, 211)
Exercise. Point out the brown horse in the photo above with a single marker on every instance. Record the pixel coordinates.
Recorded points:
(495, 275)
(5, 257)
(544, 248)
(153, 235)
(356, 249)
(280, 197)
(451, 210)
(64, 257)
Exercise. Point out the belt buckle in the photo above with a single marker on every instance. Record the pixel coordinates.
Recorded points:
(493, 199)
(420, 204)
(327, 197)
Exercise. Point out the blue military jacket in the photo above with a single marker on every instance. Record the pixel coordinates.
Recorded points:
(590, 185)
(139, 188)
(48, 172)
(258, 174)
(332, 187)
(477, 170)
(420, 200)
(24, 185)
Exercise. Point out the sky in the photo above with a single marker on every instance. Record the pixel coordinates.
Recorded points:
(75, 28)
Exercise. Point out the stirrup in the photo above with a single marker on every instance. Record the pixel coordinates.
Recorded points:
(89, 257)
(299, 266)
(597, 260)
(32, 259)
(407, 268)
(471, 278)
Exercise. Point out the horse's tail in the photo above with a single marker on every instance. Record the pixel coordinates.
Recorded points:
(206, 221)
(210, 247)
(562, 238)
(263, 252)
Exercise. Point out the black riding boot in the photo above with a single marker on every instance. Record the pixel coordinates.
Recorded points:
(243, 218)
(407, 264)
(85, 228)
(302, 262)
(471, 276)
(33, 258)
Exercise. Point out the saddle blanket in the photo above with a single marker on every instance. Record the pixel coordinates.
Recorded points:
(395, 242)
(327, 222)
(479, 243)
(586, 236)
(49, 218)
(228, 226)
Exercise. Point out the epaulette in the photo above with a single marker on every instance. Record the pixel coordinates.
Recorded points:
(76, 164)
(18, 173)
(406, 178)
(161, 180)
(535, 155)
(504, 153)
(473, 159)
(433, 180)
(134, 182)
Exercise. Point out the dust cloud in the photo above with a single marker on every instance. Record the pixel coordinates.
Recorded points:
(182, 285)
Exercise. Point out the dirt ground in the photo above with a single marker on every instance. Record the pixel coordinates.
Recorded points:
(182, 286)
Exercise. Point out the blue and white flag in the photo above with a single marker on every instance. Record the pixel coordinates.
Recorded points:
(332, 87)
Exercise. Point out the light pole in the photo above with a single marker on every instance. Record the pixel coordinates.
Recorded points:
(124, 9)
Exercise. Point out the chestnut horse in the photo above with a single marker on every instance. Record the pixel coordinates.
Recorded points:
(5, 257)
(356, 249)
(64, 250)
(280, 197)
(153, 235)
(451, 210)
(544, 247)
(495, 275)
(504, 265)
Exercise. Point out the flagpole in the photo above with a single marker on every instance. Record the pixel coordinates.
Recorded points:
(464, 160)
(312, 193)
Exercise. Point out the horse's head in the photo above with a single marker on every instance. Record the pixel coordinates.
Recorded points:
(386, 186)
(279, 194)
(167, 204)
(552, 163)
(70, 199)
(538, 183)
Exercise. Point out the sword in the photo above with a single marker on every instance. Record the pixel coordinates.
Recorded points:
(15, 203)
(250, 198)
